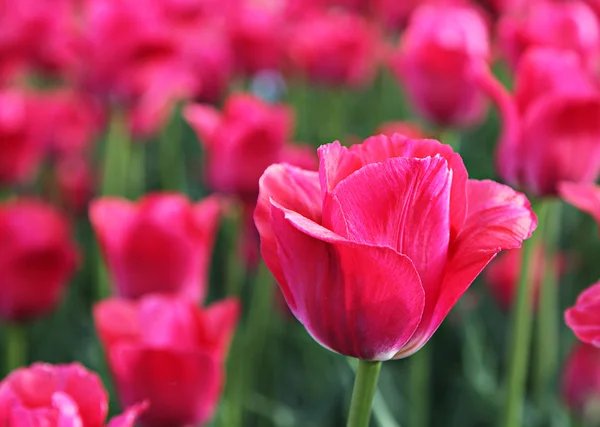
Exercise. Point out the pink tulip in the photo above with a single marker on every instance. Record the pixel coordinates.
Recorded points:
(241, 141)
(335, 48)
(373, 251)
(58, 396)
(38, 257)
(584, 317)
(558, 109)
(433, 63)
(581, 379)
(169, 352)
(21, 142)
(162, 243)
(568, 25)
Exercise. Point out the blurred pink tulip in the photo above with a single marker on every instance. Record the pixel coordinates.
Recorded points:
(161, 243)
(335, 48)
(242, 141)
(437, 51)
(38, 257)
(169, 352)
(558, 107)
(568, 25)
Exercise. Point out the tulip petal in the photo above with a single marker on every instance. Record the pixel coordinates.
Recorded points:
(293, 188)
(204, 119)
(498, 218)
(116, 319)
(358, 300)
(182, 388)
(130, 416)
(336, 163)
(111, 218)
(562, 133)
(583, 196)
(584, 317)
(408, 211)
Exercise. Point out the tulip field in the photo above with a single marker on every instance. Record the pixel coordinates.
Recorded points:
(299, 213)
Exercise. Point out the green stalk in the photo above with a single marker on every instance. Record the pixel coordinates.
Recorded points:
(249, 347)
(452, 138)
(419, 377)
(235, 274)
(520, 335)
(136, 177)
(171, 157)
(381, 411)
(365, 385)
(116, 156)
(548, 315)
(16, 347)
(115, 175)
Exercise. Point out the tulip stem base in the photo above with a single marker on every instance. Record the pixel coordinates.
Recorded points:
(365, 386)
(16, 347)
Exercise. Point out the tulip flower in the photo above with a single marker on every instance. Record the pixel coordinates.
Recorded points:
(241, 141)
(335, 48)
(21, 146)
(58, 396)
(256, 36)
(584, 317)
(147, 58)
(562, 25)
(581, 381)
(502, 274)
(38, 258)
(558, 107)
(40, 35)
(372, 274)
(167, 351)
(434, 60)
(161, 243)
(70, 121)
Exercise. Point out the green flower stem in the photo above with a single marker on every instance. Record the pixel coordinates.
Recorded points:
(420, 376)
(115, 175)
(116, 156)
(548, 315)
(248, 348)
(363, 393)
(235, 274)
(136, 177)
(520, 335)
(381, 411)
(16, 347)
(171, 157)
